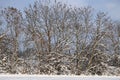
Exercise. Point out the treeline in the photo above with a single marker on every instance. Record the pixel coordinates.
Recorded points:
(57, 39)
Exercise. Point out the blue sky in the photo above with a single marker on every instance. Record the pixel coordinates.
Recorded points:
(110, 6)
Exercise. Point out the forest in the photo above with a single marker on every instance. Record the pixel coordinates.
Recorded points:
(53, 38)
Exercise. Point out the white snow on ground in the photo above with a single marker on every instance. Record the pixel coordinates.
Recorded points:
(49, 77)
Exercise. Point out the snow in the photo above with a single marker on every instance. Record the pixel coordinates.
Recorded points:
(52, 77)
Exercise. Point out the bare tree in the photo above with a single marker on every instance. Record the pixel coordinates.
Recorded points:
(58, 39)
(13, 17)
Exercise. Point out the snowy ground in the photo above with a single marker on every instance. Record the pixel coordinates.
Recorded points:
(45, 77)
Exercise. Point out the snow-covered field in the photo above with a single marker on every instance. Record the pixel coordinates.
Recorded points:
(48, 77)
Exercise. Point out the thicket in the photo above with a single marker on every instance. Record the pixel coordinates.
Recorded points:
(54, 38)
